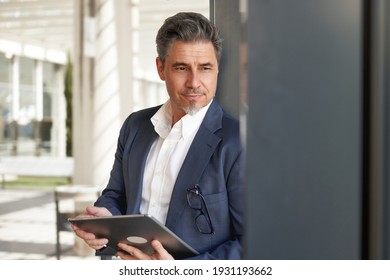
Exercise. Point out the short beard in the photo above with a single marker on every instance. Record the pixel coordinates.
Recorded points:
(191, 109)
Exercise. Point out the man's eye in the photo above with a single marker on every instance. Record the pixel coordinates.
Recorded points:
(207, 68)
(180, 68)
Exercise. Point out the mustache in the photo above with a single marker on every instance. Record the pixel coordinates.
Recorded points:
(192, 91)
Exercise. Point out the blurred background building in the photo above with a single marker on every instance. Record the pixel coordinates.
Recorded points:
(36, 38)
(109, 45)
(71, 71)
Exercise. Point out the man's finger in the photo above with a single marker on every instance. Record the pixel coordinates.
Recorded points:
(160, 251)
(133, 251)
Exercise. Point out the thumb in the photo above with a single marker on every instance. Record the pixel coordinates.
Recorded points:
(97, 211)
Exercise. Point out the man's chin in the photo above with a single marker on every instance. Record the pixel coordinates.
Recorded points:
(192, 109)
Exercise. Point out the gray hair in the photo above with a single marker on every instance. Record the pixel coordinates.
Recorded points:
(187, 27)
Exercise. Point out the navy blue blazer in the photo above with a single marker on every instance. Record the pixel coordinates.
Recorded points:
(213, 162)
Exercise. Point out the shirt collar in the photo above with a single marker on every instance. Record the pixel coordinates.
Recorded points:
(162, 120)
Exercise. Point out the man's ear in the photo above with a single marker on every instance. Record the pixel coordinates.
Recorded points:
(160, 68)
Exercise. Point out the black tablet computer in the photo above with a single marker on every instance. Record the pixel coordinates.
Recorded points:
(135, 230)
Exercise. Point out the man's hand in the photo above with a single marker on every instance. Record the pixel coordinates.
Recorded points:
(90, 238)
(135, 254)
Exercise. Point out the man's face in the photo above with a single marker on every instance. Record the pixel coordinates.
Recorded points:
(190, 74)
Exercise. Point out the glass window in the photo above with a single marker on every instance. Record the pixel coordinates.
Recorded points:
(26, 142)
(5, 104)
(50, 86)
(32, 137)
(4, 69)
(50, 92)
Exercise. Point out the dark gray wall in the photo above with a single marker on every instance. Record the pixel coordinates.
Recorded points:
(379, 128)
(304, 129)
(386, 91)
(226, 15)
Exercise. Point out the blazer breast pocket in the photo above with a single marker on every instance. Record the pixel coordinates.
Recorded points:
(218, 209)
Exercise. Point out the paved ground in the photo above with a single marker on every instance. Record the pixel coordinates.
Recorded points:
(28, 227)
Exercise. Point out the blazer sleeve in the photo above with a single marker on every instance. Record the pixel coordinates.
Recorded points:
(113, 196)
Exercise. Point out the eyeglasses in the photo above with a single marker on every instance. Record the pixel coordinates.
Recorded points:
(197, 202)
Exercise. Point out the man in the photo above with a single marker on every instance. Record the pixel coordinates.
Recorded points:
(180, 162)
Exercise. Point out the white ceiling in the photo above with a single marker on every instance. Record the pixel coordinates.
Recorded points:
(44, 23)
(48, 24)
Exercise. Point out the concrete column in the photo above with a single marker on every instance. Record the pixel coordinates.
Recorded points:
(58, 135)
(103, 83)
(82, 99)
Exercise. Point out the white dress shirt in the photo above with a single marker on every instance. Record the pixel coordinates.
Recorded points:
(166, 157)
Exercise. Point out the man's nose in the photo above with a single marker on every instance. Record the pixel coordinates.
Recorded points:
(193, 80)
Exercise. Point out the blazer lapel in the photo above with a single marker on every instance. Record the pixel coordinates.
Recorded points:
(197, 158)
(139, 150)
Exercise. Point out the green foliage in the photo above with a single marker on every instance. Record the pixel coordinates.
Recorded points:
(33, 182)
